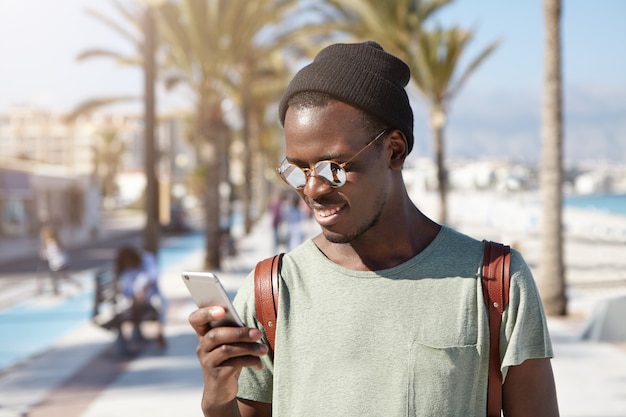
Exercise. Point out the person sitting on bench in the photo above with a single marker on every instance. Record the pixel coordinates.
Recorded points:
(138, 274)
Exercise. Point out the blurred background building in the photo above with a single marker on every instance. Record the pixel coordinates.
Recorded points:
(65, 173)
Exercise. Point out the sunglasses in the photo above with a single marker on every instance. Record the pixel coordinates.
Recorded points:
(333, 172)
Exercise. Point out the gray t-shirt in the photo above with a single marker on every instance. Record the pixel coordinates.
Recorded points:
(412, 340)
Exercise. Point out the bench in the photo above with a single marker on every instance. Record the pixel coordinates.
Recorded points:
(111, 310)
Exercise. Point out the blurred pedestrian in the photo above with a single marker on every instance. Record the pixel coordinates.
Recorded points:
(56, 257)
(293, 218)
(276, 210)
(138, 274)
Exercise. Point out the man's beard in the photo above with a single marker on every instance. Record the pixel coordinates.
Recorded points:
(336, 238)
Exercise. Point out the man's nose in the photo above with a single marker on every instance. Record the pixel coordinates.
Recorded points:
(316, 186)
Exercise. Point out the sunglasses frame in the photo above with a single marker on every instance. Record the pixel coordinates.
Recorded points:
(308, 172)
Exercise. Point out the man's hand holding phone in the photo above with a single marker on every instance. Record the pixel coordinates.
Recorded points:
(225, 346)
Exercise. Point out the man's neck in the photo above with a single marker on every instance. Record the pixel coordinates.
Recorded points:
(383, 247)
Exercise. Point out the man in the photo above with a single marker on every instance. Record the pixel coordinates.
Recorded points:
(382, 314)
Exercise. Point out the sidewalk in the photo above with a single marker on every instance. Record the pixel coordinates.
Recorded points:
(590, 377)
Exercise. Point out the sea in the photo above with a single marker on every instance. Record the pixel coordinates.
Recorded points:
(608, 203)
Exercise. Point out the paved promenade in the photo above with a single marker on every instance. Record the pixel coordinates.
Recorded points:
(79, 376)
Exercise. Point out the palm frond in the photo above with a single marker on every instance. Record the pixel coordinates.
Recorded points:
(472, 67)
(104, 53)
(91, 105)
(120, 29)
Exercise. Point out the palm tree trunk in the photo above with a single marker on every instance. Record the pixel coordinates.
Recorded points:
(213, 136)
(212, 209)
(551, 267)
(246, 195)
(438, 121)
(151, 230)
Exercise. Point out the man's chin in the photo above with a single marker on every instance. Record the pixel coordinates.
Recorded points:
(337, 237)
(340, 238)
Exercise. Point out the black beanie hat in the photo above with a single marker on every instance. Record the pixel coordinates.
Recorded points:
(360, 74)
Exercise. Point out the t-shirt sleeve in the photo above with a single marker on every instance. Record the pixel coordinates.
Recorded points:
(253, 385)
(524, 334)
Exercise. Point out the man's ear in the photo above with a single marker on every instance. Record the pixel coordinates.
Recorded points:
(399, 149)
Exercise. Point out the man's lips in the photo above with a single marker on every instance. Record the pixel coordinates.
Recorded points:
(326, 212)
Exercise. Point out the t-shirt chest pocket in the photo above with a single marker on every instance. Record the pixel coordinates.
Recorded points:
(443, 380)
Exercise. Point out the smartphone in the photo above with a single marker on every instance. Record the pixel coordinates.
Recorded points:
(207, 290)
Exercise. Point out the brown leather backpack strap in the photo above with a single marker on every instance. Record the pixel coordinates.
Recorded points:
(495, 280)
(266, 295)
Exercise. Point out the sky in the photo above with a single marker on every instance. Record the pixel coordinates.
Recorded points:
(498, 109)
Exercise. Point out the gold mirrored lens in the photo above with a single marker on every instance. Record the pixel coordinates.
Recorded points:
(293, 175)
(330, 171)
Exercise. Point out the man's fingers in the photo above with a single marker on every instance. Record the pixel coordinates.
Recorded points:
(200, 318)
(244, 362)
(221, 335)
(236, 354)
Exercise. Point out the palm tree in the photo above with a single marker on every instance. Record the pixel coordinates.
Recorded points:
(261, 73)
(394, 23)
(216, 49)
(262, 76)
(551, 267)
(142, 36)
(153, 225)
(219, 50)
(434, 64)
(132, 29)
(196, 33)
